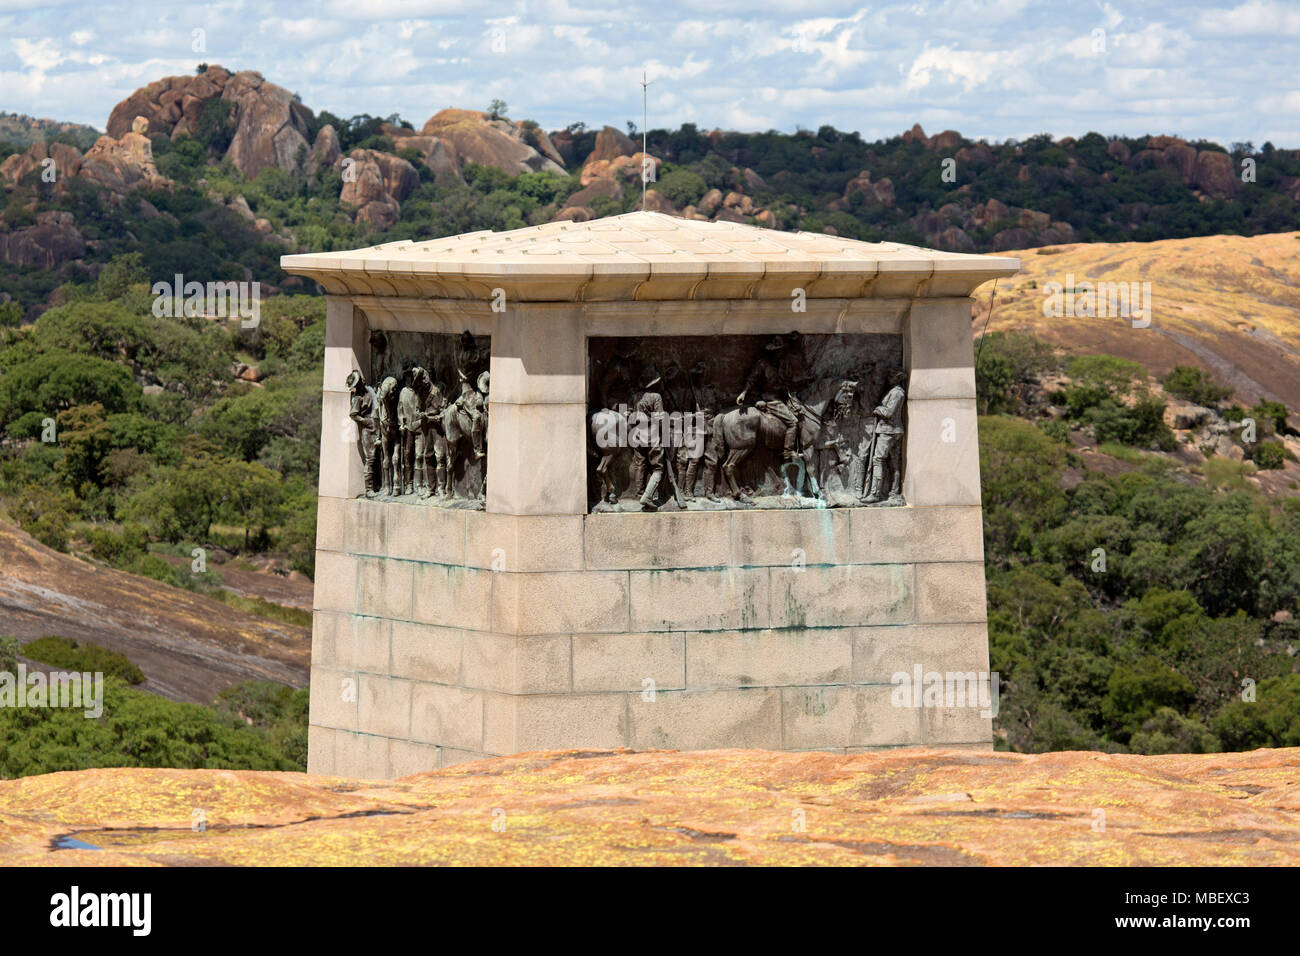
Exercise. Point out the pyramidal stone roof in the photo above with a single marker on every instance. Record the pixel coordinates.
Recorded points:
(647, 255)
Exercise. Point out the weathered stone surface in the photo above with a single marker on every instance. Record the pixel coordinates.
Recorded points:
(768, 658)
(696, 718)
(325, 152)
(449, 716)
(269, 131)
(1215, 173)
(817, 718)
(473, 136)
(702, 599)
(124, 163)
(41, 246)
(611, 143)
(609, 662)
(898, 807)
(379, 182)
(673, 540)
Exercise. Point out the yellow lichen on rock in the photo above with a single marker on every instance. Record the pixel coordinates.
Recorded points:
(725, 807)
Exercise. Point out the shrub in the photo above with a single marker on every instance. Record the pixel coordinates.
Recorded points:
(1269, 455)
(1271, 414)
(9, 651)
(1139, 425)
(67, 654)
(1169, 732)
(1056, 430)
(1271, 720)
(1007, 364)
(682, 187)
(137, 729)
(1194, 384)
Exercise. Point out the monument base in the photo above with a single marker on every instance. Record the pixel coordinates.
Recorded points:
(447, 635)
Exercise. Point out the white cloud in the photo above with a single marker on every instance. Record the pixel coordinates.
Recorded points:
(990, 68)
(1257, 18)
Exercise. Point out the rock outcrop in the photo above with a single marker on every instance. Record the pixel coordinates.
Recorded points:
(949, 139)
(376, 185)
(1210, 171)
(119, 164)
(270, 126)
(66, 164)
(610, 144)
(325, 152)
(186, 644)
(1224, 303)
(123, 163)
(908, 807)
(44, 245)
(471, 136)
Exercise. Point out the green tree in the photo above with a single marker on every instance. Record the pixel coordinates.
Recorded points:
(120, 274)
(86, 437)
(1020, 471)
(58, 380)
(1272, 719)
(1135, 693)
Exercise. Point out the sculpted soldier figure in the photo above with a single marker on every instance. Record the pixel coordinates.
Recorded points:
(390, 447)
(471, 366)
(886, 445)
(430, 442)
(408, 427)
(648, 451)
(773, 380)
(704, 405)
(483, 383)
(361, 410)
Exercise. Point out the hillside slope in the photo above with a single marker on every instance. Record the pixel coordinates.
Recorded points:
(723, 807)
(1228, 303)
(188, 646)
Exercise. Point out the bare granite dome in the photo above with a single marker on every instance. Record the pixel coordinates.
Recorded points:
(648, 255)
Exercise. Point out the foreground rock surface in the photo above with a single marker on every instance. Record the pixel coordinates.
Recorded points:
(725, 807)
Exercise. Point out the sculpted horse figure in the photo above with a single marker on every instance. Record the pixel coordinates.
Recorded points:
(739, 431)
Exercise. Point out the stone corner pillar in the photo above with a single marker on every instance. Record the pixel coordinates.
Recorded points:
(942, 453)
(347, 347)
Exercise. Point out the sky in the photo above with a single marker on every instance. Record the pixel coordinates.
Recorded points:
(992, 69)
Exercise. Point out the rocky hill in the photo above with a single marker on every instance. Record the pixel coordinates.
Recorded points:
(189, 646)
(307, 180)
(22, 130)
(1230, 304)
(662, 808)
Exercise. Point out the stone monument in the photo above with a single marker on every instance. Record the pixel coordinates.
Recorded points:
(646, 482)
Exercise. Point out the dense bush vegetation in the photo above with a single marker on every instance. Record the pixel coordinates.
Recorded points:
(138, 729)
(67, 655)
(123, 430)
(256, 725)
(1138, 611)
